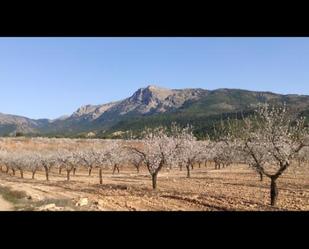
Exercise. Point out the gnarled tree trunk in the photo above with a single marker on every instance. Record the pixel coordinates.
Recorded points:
(74, 171)
(154, 180)
(33, 174)
(273, 191)
(116, 167)
(261, 176)
(46, 173)
(188, 170)
(89, 171)
(68, 175)
(100, 176)
(21, 173)
(216, 165)
(60, 169)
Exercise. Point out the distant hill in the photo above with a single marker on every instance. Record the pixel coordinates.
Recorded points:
(152, 106)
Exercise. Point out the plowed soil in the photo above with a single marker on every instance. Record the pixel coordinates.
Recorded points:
(234, 188)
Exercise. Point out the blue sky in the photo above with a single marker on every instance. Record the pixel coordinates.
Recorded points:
(50, 77)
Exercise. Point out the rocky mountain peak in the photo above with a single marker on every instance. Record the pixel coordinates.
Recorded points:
(83, 110)
(151, 94)
(92, 112)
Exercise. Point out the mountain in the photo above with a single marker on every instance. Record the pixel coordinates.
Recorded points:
(152, 106)
(11, 124)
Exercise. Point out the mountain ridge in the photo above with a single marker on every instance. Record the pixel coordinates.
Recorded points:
(150, 103)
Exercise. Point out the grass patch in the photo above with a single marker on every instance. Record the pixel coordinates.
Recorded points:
(21, 202)
(13, 196)
(58, 202)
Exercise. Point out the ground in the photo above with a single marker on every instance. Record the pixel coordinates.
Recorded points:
(234, 188)
(5, 205)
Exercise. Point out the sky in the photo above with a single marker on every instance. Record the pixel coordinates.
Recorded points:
(51, 77)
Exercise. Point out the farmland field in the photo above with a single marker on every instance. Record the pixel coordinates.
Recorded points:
(236, 187)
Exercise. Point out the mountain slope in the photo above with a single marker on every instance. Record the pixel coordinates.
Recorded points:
(10, 124)
(152, 106)
(145, 101)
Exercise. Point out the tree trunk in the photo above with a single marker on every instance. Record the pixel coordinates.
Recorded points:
(154, 181)
(74, 171)
(273, 191)
(60, 169)
(7, 169)
(33, 174)
(100, 176)
(89, 171)
(46, 173)
(137, 169)
(21, 173)
(205, 164)
(261, 176)
(188, 170)
(68, 175)
(116, 167)
(199, 165)
(192, 167)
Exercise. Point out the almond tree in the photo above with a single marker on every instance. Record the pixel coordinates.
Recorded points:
(103, 158)
(270, 140)
(30, 162)
(210, 150)
(3, 160)
(224, 155)
(157, 149)
(135, 160)
(187, 148)
(86, 159)
(16, 162)
(47, 160)
(67, 160)
(303, 157)
(117, 155)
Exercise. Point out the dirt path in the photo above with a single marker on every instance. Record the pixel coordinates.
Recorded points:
(5, 205)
